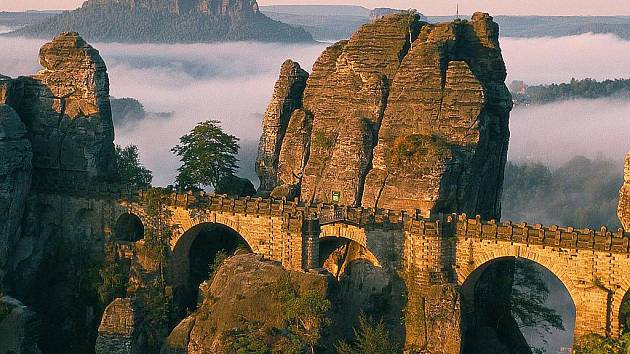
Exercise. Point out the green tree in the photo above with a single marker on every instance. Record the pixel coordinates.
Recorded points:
(114, 276)
(130, 170)
(160, 314)
(305, 313)
(370, 339)
(207, 155)
(529, 297)
(596, 344)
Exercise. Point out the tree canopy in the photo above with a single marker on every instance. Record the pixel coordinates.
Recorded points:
(129, 169)
(207, 154)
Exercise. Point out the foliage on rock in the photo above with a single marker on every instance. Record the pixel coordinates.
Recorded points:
(370, 338)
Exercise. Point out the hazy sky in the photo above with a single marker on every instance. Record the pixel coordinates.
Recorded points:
(430, 7)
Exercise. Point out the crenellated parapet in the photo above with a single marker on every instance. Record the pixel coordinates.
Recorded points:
(537, 234)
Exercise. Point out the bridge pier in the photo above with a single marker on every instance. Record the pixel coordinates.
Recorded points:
(593, 313)
(310, 244)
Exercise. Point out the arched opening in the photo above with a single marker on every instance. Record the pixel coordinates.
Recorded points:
(514, 305)
(129, 228)
(336, 254)
(196, 254)
(363, 286)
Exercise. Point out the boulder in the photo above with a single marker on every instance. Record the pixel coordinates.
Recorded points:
(239, 299)
(235, 186)
(119, 331)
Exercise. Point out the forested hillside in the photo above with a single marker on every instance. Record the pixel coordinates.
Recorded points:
(575, 89)
(117, 23)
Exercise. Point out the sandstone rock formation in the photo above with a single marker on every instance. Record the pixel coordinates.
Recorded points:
(18, 328)
(404, 115)
(55, 132)
(118, 332)
(67, 110)
(287, 97)
(239, 297)
(623, 209)
(15, 183)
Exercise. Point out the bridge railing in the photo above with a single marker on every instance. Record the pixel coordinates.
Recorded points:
(461, 225)
(552, 236)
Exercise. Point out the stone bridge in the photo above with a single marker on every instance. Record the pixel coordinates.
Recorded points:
(593, 265)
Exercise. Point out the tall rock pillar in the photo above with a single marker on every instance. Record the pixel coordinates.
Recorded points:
(287, 97)
(66, 109)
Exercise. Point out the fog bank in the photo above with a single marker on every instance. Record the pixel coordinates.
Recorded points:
(233, 82)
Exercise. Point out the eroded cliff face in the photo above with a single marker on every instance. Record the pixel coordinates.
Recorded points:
(623, 208)
(404, 115)
(55, 130)
(67, 111)
(287, 97)
(15, 184)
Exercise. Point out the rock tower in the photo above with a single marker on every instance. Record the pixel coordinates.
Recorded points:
(404, 115)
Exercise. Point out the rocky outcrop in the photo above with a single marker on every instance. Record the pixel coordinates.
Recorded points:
(119, 330)
(287, 97)
(405, 115)
(623, 208)
(55, 130)
(15, 184)
(18, 328)
(67, 111)
(239, 301)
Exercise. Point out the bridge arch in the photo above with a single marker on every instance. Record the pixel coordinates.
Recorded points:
(336, 253)
(129, 227)
(470, 303)
(620, 321)
(193, 253)
(556, 266)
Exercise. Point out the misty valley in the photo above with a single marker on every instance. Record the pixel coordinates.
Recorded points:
(413, 189)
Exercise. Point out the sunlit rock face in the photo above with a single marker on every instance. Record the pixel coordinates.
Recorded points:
(623, 209)
(404, 115)
(15, 184)
(287, 97)
(67, 111)
(240, 294)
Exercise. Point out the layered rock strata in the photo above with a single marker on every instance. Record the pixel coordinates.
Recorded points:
(405, 115)
(55, 129)
(287, 97)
